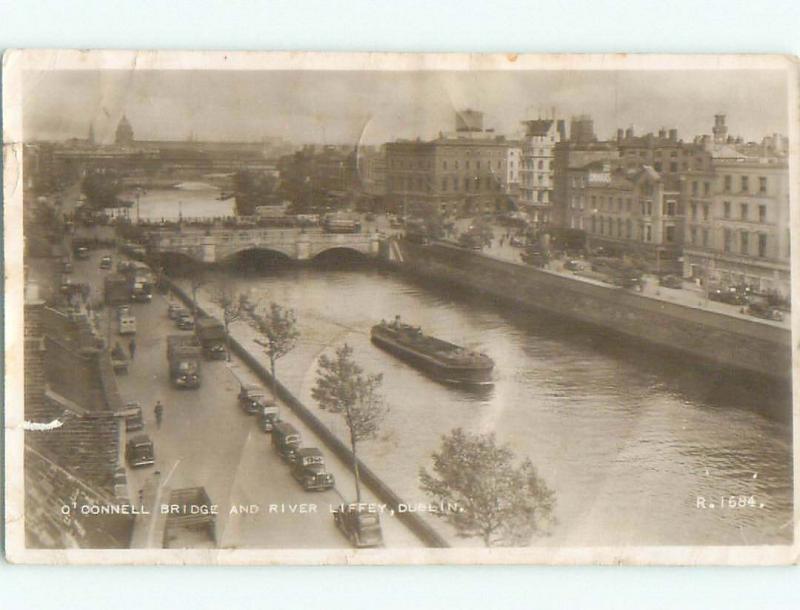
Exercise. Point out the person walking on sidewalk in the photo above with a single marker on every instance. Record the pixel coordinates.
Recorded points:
(132, 347)
(159, 411)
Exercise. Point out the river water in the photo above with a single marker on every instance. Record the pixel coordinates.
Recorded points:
(631, 440)
(187, 199)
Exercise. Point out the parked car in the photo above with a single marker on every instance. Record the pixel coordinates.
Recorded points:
(309, 468)
(139, 451)
(185, 321)
(133, 417)
(269, 416)
(252, 398)
(670, 281)
(82, 253)
(732, 297)
(106, 262)
(516, 242)
(286, 440)
(360, 525)
(573, 265)
(174, 310)
(760, 309)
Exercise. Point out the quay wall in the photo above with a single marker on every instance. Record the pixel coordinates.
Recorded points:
(712, 337)
(373, 482)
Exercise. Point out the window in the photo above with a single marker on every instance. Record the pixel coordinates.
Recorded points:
(670, 234)
(648, 231)
(673, 167)
(444, 164)
(594, 224)
(444, 184)
(619, 227)
(478, 164)
(705, 238)
(594, 204)
(762, 213)
(455, 183)
(628, 204)
(744, 238)
(456, 164)
(466, 183)
(705, 211)
(540, 165)
(743, 211)
(706, 188)
(466, 164)
(762, 245)
(726, 186)
(693, 235)
(669, 208)
(745, 184)
(694, 189)
(762, 185)
(657, 166)
(619, 204)
(726, 209)
(649, 208)
(694, 211)
(728, 238)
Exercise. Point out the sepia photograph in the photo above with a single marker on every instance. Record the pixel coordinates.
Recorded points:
(399, 308)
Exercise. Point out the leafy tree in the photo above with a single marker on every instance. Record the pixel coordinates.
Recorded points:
(503, 504)
(224, 297)
(278, 327)
(342, 387)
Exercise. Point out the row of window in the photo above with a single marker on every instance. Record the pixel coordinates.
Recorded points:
(624, 229)
(744, 184)
(428, 164)
(747, 244)
(744, 212)
(540, 164)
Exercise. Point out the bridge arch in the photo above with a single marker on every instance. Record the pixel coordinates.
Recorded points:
(337, 250)
(257, 257)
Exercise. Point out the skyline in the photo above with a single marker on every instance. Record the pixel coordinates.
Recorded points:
(373, 107)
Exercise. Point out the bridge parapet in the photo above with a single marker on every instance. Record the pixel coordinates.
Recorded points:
(212, 245)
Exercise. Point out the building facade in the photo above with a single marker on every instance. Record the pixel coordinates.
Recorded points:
(537, 174)
(738, 225)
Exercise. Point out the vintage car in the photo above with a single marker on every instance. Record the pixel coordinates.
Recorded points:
(106, 262)
(133, 417)
(360, 525)
(670, 281)
(174, 310)
(516, 242)
(765, 311)
(82, 253)
(309, 468)
(269, 416)
(184, 321)
(286, 440)
(252, 398)
(573, 265)
(730, 296)
(139, 451)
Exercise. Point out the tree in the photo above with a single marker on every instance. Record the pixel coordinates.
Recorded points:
(230, 303)
(501, 503)
(342, 387)
(278, 327)
(196, 280)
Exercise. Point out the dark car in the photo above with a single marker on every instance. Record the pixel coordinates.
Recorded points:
(286, 440)
(765, 311)
(106, 262)
(82, 253)
(133, 417)
(184, 321)
(174, 310)
(139, 451)
(309, 468)
(252, 398)
(516, 242)
(732, 297)
(360, 525)
(269, 416)
(573, 265)
(670, 281)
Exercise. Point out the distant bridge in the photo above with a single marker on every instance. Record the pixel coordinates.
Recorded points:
(218, 245)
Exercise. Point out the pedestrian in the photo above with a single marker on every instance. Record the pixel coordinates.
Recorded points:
(159, 411)
(132, 347)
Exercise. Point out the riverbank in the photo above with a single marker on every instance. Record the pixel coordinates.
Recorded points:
(711, 337)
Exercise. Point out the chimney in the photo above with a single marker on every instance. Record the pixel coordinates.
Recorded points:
(662, 133)
(620, 135)
(673, 135)
(629, 133)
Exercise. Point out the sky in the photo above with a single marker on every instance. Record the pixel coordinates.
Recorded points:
(372, 107)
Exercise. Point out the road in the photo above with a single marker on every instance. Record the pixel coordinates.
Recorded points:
(207, 440)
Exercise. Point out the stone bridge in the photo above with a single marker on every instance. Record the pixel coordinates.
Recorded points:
(216, 246)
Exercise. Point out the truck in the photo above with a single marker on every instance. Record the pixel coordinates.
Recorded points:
(117, 289)
(211, 334)
(126, 320)
(183, 355)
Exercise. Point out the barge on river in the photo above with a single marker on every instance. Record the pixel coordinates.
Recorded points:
(441, 360)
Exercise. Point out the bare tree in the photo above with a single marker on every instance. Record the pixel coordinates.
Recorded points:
(224, 297)
(342, 387)
(487, 495)
(278, 332)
